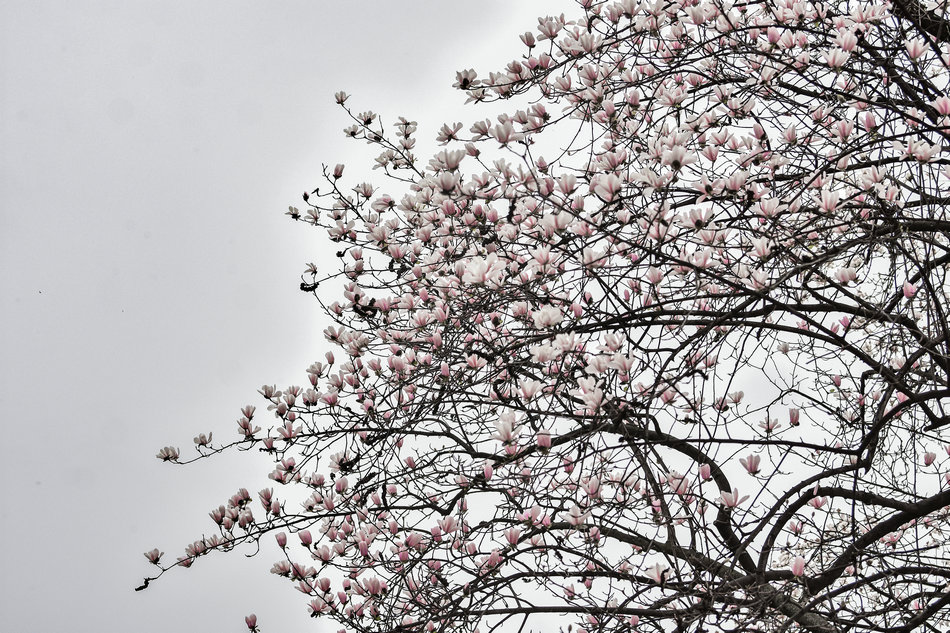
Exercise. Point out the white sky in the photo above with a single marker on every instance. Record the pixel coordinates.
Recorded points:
(149, 278)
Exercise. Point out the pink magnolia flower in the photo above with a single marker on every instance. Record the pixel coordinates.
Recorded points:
(543, 438)
(770, 207)
(448, 524)
(168, 454)
(847, 40)
(373, 586)
(761, 247)
(829, 201)
(697, 13)
(153, 556)
(589, 393)
(922, 151)
(506, 428)
(475, 361)
(794, 416)
(790, 134)
(915, 47)
(479, 270)
(546, 317)
(732, 499)
(798, 566)
(591, 486)
(846, 275)
(678, 483)
(575, 516)
(843, 129)
(494, 559)
(769, 425)
(658, 573)
(836, 58)
(705, 472)
(529, 388)
(677, 157)
(320, 605)
(534, 516)
(505, 133)
(751, 463)
(606, 187)
(941, 105)
(251, 621)
(654, 275)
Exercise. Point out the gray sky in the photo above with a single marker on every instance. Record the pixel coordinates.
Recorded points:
(149, 277)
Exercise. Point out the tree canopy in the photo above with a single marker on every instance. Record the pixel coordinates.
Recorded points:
(664, 348)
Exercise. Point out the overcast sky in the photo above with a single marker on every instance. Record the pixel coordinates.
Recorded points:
(150, 279)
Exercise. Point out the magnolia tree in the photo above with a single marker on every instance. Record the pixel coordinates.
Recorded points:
(665, 349)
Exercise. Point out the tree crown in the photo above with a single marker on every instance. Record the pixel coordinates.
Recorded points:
(665, 349)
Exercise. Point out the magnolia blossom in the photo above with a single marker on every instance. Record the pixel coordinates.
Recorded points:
(479, 270)
(761, 247)
(732, 499)
(677, 157)
(915, 47)
(751, 463)
(168, 454)
(153, 556)
(798, 566)
(548, 316)
(836, 58)
(829, 201)
(544, 353)
(588, 391)
(942, 105)
(705, 472)
(658, 573)
(575, 516)
(606, 187)
(544, 440)
(794, 416)
(654, 275)
(846, 275)
(529, 388)
(506, 429)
